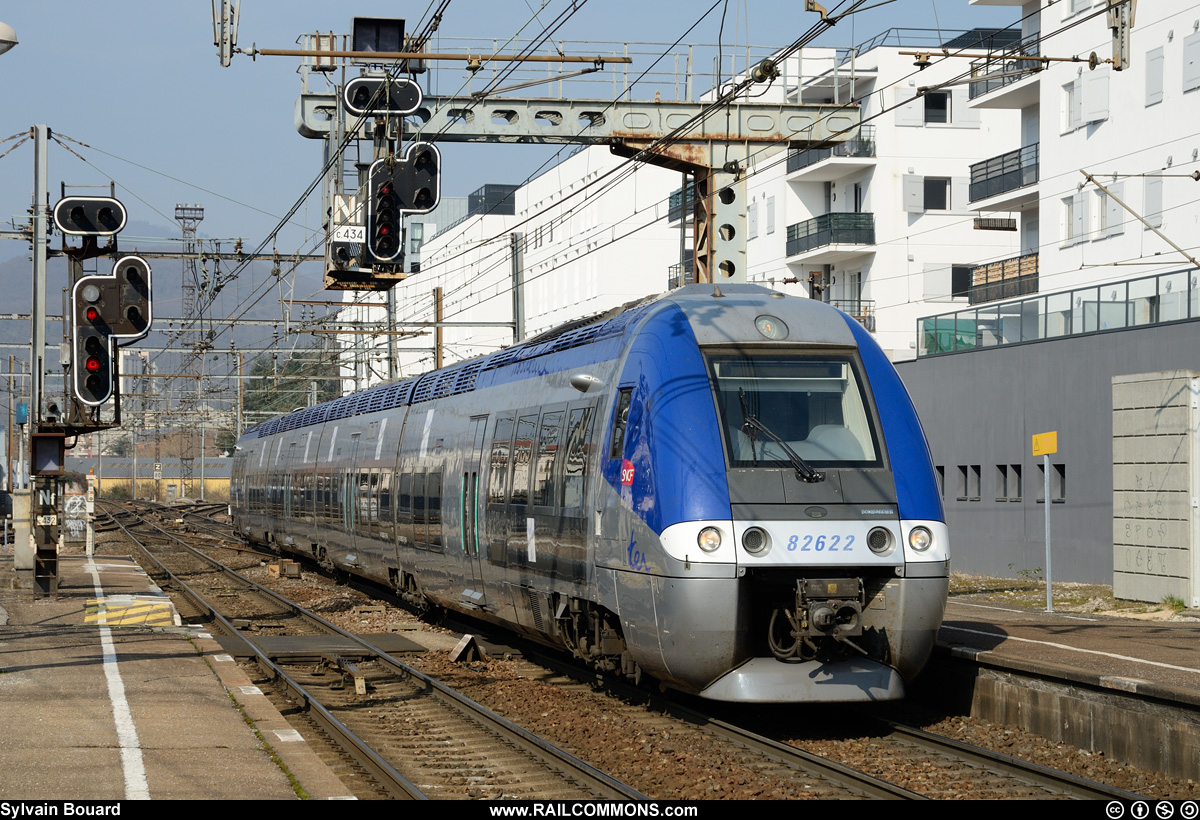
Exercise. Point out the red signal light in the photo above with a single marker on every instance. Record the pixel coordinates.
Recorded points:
(93, 315)
(92, 364)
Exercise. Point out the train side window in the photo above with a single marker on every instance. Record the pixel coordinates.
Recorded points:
(522, 456)
(420, 520)
(433, 509)
(576, 462)
(498, 462)
(548, 447)
(404, 503)
(620, 419)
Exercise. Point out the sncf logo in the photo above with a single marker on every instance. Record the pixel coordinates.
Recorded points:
(626, 472)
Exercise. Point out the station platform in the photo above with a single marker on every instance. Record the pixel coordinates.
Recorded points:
(105, 695)
(1151, 657)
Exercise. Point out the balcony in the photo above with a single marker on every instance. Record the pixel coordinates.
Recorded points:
(854, 154)
(831, 231)
(862, 310)
(679, 275)
(1007, 172)
(1112, 306)
(1005, 279)
(1001, 69)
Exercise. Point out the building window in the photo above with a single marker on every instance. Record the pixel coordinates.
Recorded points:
(1058, 483)
(960, 280)
(937, 107)
(937, 194)
(1008, 482)
(974, 479)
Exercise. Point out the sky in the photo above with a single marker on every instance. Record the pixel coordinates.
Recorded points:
(139, 83)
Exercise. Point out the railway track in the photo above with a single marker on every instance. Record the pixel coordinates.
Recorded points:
(418, 738)
(917, 763)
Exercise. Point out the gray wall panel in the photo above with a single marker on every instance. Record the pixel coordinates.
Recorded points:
(983, 407)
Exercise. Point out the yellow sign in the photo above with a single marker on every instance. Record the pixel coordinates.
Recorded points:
(1045, 444)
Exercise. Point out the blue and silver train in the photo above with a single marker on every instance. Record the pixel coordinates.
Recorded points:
(725, 489)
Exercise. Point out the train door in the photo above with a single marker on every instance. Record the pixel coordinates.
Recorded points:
(469, 514)
(350, 495)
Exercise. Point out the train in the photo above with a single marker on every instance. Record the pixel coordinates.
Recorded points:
(723, 489)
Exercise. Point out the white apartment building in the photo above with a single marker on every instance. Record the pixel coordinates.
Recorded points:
(880, 225)
(1137, 131)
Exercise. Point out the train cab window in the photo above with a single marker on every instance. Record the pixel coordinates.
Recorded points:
(576, 458)
(543, 470)
(522, 457)
(816, 404)
(620, 419)
(498, 461)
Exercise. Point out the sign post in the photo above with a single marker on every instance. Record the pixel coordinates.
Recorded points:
(1044, 445)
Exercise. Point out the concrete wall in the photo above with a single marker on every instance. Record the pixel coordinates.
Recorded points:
(982, 408)
(1155, 439)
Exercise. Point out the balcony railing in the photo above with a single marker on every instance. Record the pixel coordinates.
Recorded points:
(863, 310)
(681, 203)
(1000, 68)
(1147, 300)
(1007, 172)
(829, 229)
(862, 145)
(1005, 279)
(679, 275)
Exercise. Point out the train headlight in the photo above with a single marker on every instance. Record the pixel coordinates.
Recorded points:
(754, 540)
(920, 539)
(709, 539)
(880, 541)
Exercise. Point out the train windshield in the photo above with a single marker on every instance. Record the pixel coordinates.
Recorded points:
(814, 404)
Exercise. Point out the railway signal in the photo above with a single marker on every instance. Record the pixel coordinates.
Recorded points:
(91, 343)
(106, 308)
(381, 96)
(89, 216)
(384, 229)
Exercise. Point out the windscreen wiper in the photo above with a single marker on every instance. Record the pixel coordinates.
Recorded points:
(751, 426)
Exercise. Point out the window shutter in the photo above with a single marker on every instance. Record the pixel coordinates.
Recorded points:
(937, 281)
(1154, 76)
(1191, 62)
(752, 219)
(914, 193)
(963, 115)
(1153, 206)
(911, 111)
(1115, 218)
(1095, 96)
(1079, 223)
(960, 193)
